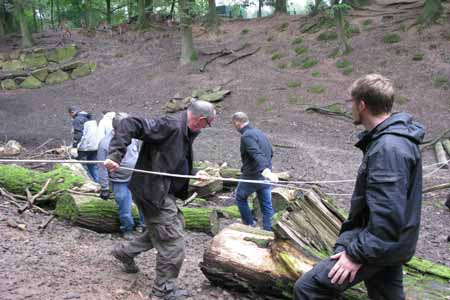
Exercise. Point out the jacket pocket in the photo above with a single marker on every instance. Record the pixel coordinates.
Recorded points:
(167, 232)
(383, 177)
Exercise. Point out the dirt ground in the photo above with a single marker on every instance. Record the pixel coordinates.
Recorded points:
(138, 73)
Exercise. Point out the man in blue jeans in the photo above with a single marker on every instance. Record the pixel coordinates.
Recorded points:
(119, 179)
(256, 155)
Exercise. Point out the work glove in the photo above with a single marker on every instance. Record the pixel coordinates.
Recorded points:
(104, 194)
(73, 152)
(268, 175)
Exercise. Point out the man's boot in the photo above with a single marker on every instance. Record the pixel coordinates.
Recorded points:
(128, 264)
(447, 203)
(175, 294)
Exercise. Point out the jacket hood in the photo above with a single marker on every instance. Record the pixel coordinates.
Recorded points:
(401, 124)
(84, 114)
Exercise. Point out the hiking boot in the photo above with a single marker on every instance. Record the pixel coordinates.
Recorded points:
(176, 294)
(128, 264)
(128, 235)
(447, 203)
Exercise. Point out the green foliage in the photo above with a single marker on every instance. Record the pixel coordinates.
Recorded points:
(418, 56)
(276, 56)
(367, 22)
(298, 40)
(342, 63)
(300, 50)
(194, 56)
(269, 109)
(315, 74)
(245, 31)
(283, 27)
(391, 38)
(282, 66)
(441, 82)
(294, 84)
(327, 36)
(432, 10)
(304, 63)
(351, 30)
(296, 99)
(347, 70)
(334, 53)
(316, 89)
(261, 100)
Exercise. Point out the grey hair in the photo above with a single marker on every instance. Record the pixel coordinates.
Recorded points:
(201, 108)
(117, 118)
(240, 117)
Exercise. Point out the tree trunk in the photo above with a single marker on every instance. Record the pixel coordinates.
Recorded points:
(2, 19)
(212, 22)
(432, 10)
(90, 17)
(172, 9)
(130, 9)
(344, 47)
(24, 30)
(187, 45)
(280, 7)
(35, 23)
(260, 4)
(52, 13)
(142, 20)
(440, 155)
(315, 9)
(256, 261)
(58, 12)
(108, 12)
(149, 5)
(41, 18)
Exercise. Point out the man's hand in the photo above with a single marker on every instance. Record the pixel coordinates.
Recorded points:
(202, 175)
(343, 269)
(268, 175)
(111, 165)
(73, 152)
(104, 194)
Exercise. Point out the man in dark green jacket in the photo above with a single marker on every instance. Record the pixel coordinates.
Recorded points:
(382, 229)
(166, 147)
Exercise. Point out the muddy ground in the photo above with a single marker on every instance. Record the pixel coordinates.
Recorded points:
(139, 72)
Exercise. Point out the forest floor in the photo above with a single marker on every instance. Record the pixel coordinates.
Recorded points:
(139, 72)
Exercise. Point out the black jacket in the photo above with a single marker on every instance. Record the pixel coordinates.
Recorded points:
(256, 152)
(166, 147)
(78, 121)
(383, 224)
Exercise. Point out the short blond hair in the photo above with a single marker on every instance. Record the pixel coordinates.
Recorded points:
(376, 91)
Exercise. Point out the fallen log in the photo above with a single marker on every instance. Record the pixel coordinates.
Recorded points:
(446, 145)
(440, 155)
(259, 262)
(102, 216)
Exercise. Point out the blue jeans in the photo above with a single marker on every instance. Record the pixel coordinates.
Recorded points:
(264, 192)
(124, 200)
(90, 168)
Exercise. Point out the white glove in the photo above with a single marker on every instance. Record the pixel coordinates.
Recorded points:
(73, 152)
(268, 175)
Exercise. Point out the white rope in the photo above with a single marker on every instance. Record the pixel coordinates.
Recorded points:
(437, 169)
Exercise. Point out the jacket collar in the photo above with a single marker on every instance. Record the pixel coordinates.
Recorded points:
(245, 128)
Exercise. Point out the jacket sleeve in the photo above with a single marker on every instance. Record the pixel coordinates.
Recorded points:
(386, 194)
(252, 148)
(152, 131)
(103, 176)
(77, 127)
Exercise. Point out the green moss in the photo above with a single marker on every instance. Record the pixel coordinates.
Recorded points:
(315, 74)
(418, 56)
(428, 267)
(347, 70)
(317, 89)
(261, 100)
(82, 70)
(269, 109)
(9, 84)
(276, 56)
(261, 243)
(298, 40)
(296, 99)
(294, 84)
(282, 66)
(245, 31)
(352, 30)
(367, 22)
(57, 77)
(283, 27)
(391, 38)
(34, 60)
(342, 63)
(31, 82)
(194, 56)
(12, 65)
(334, 53)
(304, 63)
(441, 82)
(327, 36)
(301, 50)
(62, 55)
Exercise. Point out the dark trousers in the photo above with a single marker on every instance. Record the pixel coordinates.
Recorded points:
(382, 283)
(164, 233)
(92, 169)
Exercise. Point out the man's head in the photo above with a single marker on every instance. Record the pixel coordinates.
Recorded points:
(200, 114)
(372, 97)
(72, 110)
(117, 118)
(239, 119)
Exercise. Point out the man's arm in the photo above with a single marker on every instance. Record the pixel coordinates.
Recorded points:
(387, 189)
(77, 127)
(253, 149)
(103, 175)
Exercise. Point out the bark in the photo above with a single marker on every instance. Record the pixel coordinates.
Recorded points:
(130, 9)
(35, 23)
(89, 17)
(344, 47)
(108, 12)
(212, 22)
(142, 20)
(149, 5)
(52, 13)
(248, 259)
(440, 155)
(316, 7)
(24, 30)
(2, 19)
(58, 11)
(446, 144)
(41, 18)
(260, 5)
(432, 10)
(187, 45)
(172, 9)
(280, 7)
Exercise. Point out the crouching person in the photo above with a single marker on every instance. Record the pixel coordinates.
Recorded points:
(119, 179)
(382, 229)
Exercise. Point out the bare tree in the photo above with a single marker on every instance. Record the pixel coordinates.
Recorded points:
(19, 12)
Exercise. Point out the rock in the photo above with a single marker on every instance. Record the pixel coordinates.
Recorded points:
(40, 74)
(173, 106)
(9, 84)
(14, 54)
(1, 63)
(11, 148)
(62, 55)
(4, 56)
(19, 79)
(215, 96)
(70, 66)
(12, 65)
(34, 60)
(31, 82)
(57, 77)
(83, 70)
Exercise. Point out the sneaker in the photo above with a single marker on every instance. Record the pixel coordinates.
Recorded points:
(176, 294)
(128, 264)
(129, 236)
(141, 228)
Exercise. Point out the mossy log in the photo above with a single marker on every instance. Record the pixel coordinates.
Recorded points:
(440, 155)
(446, 144)
(102, 216)
(16, 179)
(209, 187)
(260, 262)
